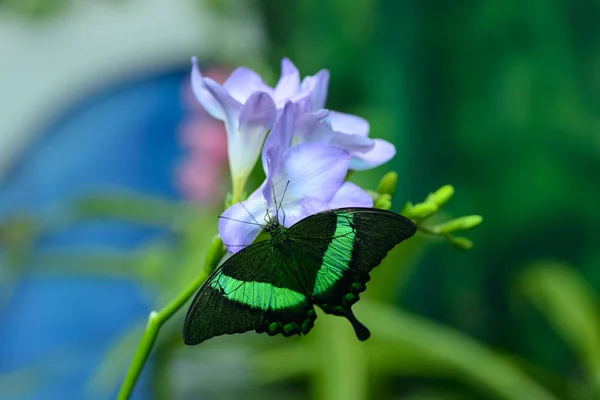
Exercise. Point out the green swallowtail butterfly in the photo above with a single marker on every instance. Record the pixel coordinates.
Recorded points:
(272, 286)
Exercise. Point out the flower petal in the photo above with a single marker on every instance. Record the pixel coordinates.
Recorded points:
(352, 143)
(241, 223)
(382, 152)
(317, 85)
(293, 212)
(243, 82)
(230, 106)
(315, 169)
(289, 83)
(258, 112)
(279, 139)
(313, 127)
(204, 96)
(348, 123)
(350, 195)
(256, 118)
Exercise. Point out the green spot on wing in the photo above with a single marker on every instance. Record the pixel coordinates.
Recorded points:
(259, 295)
(337, 257)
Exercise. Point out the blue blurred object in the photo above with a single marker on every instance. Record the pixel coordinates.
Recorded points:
(123, 137)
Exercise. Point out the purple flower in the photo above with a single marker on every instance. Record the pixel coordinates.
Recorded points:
(311, 93)
(248, 116)
(347, 131)
(239, 92)
(311, 175)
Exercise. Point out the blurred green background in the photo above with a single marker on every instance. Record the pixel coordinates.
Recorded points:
(499, 98)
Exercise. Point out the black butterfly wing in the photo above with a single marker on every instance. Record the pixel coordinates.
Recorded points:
(346, 244)
(255, 289)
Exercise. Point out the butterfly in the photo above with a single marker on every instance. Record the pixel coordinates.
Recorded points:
(272, 286)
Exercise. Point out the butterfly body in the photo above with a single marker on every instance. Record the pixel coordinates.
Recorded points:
(272, 286)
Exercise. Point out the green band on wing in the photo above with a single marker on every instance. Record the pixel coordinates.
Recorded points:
(338, 255)
(260, 295)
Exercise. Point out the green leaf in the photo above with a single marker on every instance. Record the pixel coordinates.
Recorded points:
(275, 366)
(344, 369)
(144, 265)
(400, 344)
(132, 207)
(434, 394)
(413, 342)
(571, 306)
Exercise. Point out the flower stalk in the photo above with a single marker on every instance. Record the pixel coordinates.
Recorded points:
(156, 319)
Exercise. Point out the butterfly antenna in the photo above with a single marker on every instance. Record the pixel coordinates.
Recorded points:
(275, 201)
(250, 214)
(239, 220)
(281, 202)
(267, 217)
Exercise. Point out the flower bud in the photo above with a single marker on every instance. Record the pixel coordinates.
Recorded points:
(383, 202)
(388, 184)
(459, 224)
(442, 195)
(461, 243)
(422, 210)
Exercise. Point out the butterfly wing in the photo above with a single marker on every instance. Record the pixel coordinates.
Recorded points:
(346, 244)
(252, 290)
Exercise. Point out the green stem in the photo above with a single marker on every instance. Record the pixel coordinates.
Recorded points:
(155, 322)
(426, 229)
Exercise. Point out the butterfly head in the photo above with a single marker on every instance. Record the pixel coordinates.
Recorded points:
(273, 226)
(276, 230)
